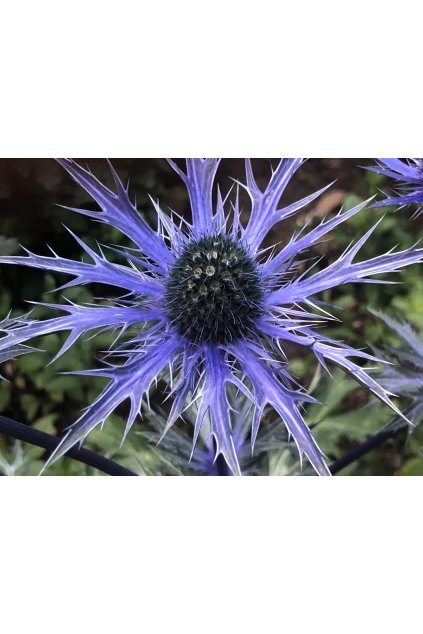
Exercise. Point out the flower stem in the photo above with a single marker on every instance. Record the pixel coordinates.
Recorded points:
(47, 441)
(371, 443)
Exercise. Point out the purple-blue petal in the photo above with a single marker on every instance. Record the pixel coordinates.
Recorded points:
(118, 211)
(131, 380)
(101, 271)
(215, 402)
(199, 180)
(270, 391)
(264, 205)
(79, 321)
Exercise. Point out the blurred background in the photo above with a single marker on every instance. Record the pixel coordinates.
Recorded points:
(35, 394)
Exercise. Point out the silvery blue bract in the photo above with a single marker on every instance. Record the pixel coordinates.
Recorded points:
(410, 177)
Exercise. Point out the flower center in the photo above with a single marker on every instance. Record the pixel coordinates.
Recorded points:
(214, 291)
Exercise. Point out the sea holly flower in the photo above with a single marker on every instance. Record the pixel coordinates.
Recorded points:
(409, 174)
(213, 310)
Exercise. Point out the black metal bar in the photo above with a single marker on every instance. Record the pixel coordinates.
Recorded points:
(371, 443)
(47, 441)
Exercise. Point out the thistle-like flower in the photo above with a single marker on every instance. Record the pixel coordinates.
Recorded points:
(212, 309)
(410, 176)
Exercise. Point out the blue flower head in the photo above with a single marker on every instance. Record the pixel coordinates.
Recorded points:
(410, 176)
(212, 309)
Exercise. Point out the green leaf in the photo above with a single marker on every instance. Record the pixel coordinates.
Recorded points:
(30, 405)
(8, 246)
(413, 467)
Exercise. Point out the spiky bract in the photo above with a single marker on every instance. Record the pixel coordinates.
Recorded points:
(409, 175)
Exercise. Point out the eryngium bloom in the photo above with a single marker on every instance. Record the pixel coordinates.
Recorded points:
(410, 176)
(212, 311)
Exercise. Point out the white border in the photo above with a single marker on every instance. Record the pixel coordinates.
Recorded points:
(209, 554)
(184, 78)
